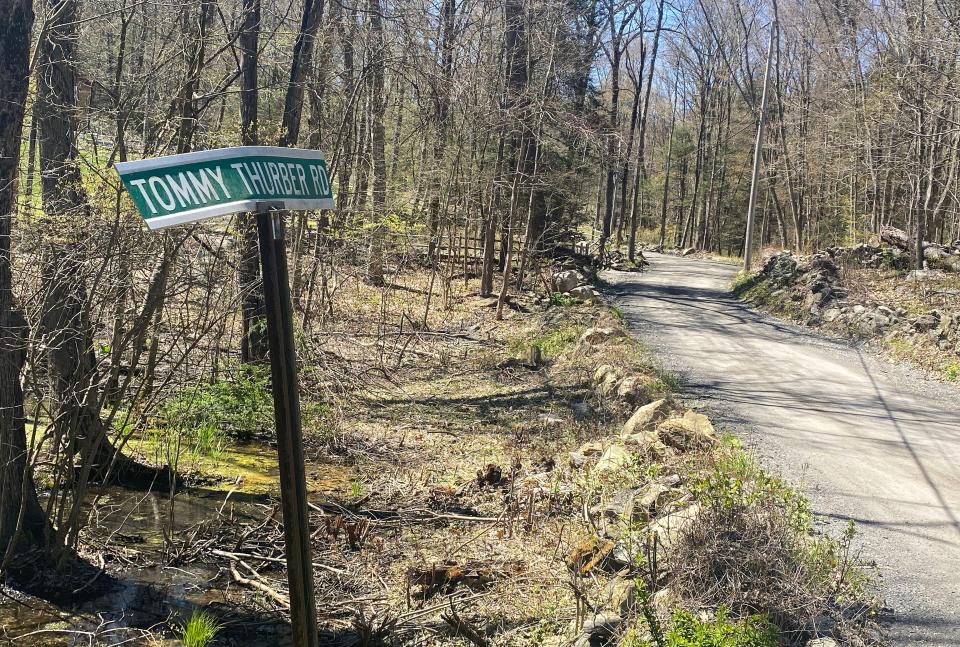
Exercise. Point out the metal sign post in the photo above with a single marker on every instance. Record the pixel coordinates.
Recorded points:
(286, 413)
(194, 186)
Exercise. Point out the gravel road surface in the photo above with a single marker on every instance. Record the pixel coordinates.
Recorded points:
(869, 441)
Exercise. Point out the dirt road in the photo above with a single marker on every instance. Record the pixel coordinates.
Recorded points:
(869, 441)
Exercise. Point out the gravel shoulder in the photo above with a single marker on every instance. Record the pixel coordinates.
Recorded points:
(870, 442)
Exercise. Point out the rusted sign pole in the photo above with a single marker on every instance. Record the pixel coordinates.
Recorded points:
(286, 408)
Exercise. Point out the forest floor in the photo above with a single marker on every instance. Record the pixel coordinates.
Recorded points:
(462, 495)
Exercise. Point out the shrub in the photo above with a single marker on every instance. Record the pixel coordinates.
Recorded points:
(689, 631)
(752, 549)
(240, 406)
(562, 300)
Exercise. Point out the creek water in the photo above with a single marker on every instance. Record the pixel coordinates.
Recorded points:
(153, 594)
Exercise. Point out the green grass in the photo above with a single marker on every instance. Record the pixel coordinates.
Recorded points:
(552, 343)
(240, 405)
(200, 630)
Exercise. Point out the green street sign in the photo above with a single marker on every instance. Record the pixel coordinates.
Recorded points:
(193, 186)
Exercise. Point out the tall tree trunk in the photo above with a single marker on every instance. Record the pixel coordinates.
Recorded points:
(299, 69)
(65, 327)
(641, 175)
(254, 346)
(378, 161)
(666, 169)
(22, 521)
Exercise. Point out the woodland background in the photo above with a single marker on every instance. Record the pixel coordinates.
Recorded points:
(461, 137)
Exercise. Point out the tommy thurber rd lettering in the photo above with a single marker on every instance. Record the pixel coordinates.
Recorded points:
(186, 189)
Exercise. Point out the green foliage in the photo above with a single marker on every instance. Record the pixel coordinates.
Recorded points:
(240, 406)
(952, 371)
(737, 481)
(562, 300)
(690, 631)
(552, 343)
(356, 488)
(743, 281)
(200, 630)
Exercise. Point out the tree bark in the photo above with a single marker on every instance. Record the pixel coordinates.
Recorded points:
(22, 522)
(254, 346)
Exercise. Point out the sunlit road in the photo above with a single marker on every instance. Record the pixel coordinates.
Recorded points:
(871, 442)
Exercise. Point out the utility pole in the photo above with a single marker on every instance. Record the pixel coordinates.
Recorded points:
(758, 154)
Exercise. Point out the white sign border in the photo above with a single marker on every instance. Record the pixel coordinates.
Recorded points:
(237, 206)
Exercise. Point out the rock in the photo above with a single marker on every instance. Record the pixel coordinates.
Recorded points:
(823, 642)
(926, 322)
(689, 251)
(672, 527)
(632, 389)
(591, 449)
(895, 238)
(601, 627)
(831, 314)
(601, 373)
(646, 417)
(665, 600)
(643, 439)
(622, 596)
(618, 509)
(589, 554)
(692, 431)
(919, 276)
(648, 501)
(949, 325)
(586, 451)
(859, 309)
(605, 379)
(597, 335)
(551, 420)
(616, 457)
(585, 293)
(567, 280)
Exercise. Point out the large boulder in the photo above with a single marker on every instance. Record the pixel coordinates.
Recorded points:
(585, 293)
(692, 431)
(895, 237)
(567, 280)
(646, 417)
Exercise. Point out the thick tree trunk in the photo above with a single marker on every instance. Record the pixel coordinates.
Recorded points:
(65, 328)
(22, 521)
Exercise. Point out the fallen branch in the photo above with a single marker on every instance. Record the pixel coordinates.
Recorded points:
(237, 557)
(258, 584)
